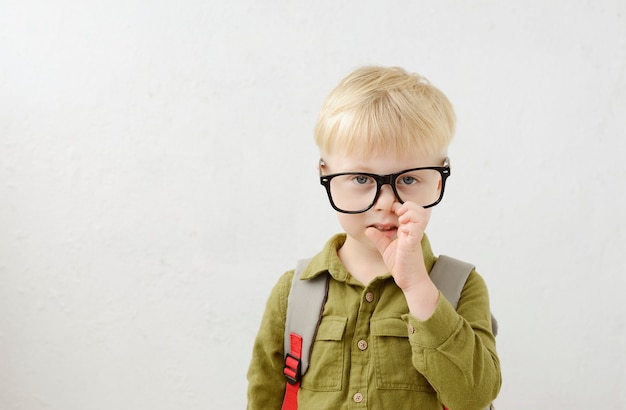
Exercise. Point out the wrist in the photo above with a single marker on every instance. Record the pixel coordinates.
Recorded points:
(422, 299)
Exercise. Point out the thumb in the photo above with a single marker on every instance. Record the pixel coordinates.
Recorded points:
(378, 239)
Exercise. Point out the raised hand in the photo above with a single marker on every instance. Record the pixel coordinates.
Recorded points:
(404, 258)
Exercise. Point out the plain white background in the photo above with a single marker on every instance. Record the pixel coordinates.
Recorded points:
(157, 175)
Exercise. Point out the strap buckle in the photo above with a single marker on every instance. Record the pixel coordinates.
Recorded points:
(292, 369)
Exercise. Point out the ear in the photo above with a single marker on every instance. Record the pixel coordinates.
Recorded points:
(321, 165)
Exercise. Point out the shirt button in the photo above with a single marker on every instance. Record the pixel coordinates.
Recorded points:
(362, 344)
(358, 397)
(369, 296)
(411, 329)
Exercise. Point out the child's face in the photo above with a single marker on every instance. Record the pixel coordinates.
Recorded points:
(381, 215)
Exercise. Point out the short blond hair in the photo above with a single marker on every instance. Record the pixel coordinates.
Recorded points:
(377, 109)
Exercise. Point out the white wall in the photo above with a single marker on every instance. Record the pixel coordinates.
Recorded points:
(157, 176)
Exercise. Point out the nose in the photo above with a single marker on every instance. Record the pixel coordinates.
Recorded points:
(386, 198)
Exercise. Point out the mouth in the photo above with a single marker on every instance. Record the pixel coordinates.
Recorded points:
(384, 227)
(389, 230)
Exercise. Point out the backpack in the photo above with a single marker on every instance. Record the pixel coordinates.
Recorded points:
(305, 306)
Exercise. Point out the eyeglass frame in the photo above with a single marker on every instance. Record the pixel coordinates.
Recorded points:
(389, 179)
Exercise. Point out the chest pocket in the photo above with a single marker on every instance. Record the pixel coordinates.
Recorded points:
(392, 357)
(326, 364)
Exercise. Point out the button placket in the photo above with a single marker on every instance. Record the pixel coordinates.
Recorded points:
(361, 361)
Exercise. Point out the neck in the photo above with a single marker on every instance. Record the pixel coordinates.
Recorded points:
(363, 263)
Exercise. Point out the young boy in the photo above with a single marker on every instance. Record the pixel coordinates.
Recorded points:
(387, 339)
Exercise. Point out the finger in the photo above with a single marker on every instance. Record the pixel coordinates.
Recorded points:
(406, 218)
(411, 212)
(378, 239)
(399, 208)
(409, 215)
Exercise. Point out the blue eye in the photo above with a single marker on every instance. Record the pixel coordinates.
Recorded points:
(408, 180)
(362, 179)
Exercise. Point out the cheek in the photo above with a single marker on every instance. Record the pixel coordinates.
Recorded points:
(351, 223)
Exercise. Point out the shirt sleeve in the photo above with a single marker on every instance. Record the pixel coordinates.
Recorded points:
(266, 382)
(456, 350)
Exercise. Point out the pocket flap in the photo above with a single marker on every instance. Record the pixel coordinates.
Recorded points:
(394, 327)
(331, 328)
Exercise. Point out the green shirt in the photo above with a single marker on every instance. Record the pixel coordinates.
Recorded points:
(370, 353)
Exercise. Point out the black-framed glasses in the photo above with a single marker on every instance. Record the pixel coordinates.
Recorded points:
(356, 192)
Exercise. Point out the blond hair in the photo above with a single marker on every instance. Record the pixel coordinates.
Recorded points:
(377, 109)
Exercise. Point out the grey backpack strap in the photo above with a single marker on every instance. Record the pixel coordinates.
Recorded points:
(305, 306)
(449, 275)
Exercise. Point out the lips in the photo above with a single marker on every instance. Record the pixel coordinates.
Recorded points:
(388, 230)
(385, 227)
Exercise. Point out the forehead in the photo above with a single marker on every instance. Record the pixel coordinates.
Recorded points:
(383, 163)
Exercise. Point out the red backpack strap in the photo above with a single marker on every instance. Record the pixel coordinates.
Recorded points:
(293, 372)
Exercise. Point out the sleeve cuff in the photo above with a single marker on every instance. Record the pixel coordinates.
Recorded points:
(434, 331)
